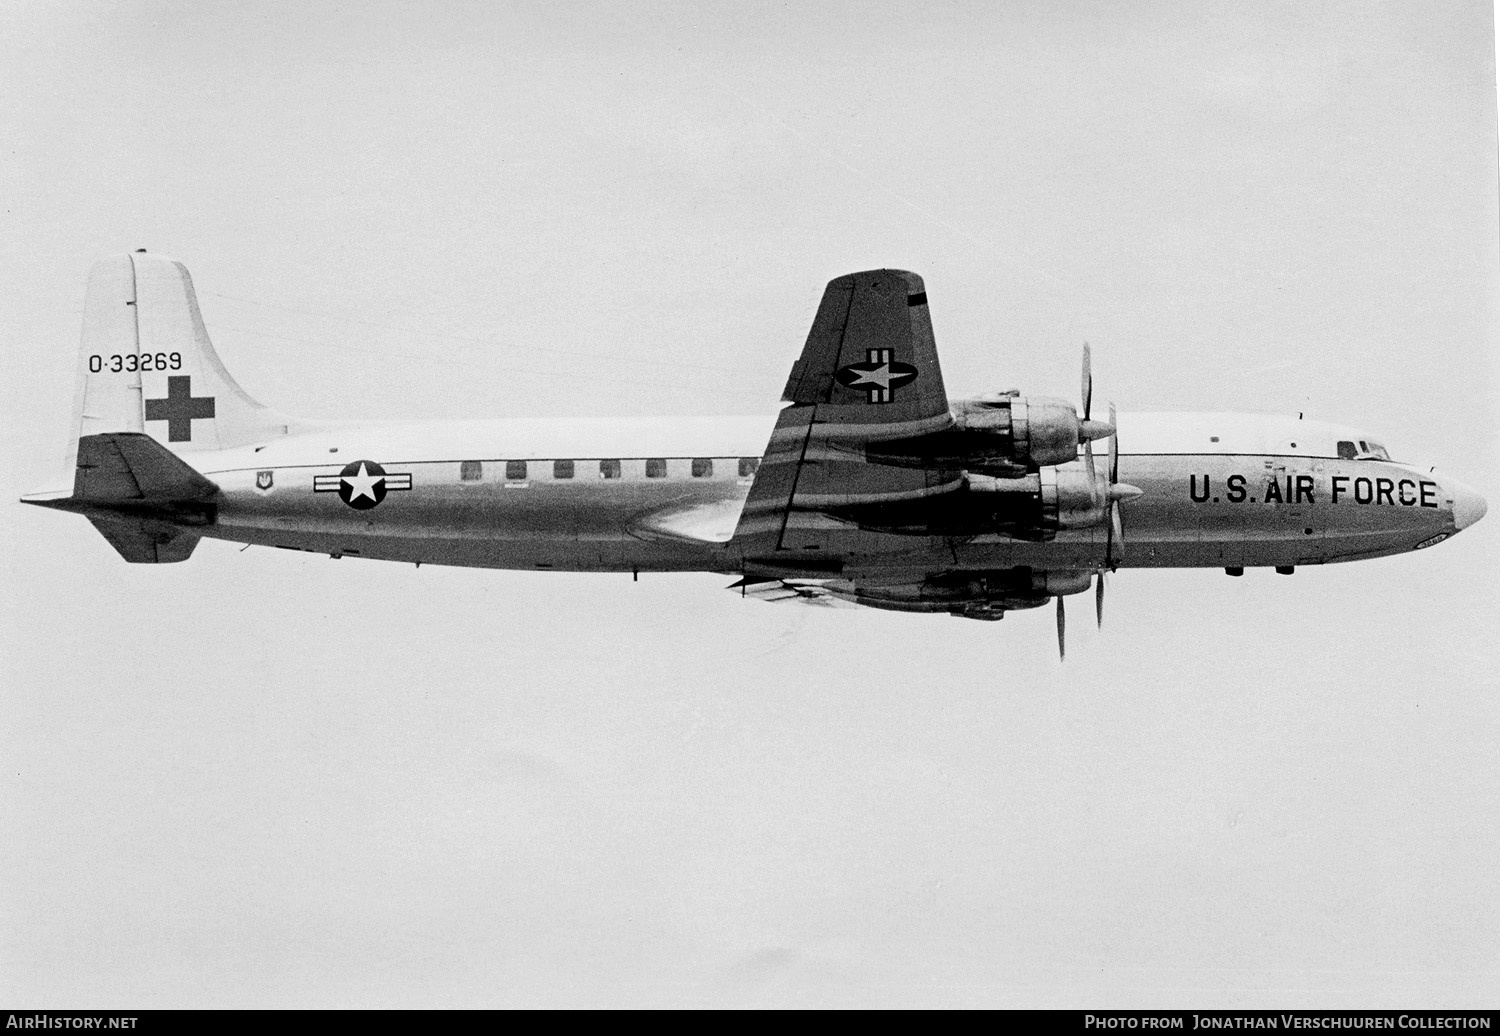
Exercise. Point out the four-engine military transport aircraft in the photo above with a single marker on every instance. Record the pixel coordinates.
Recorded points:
(869, 486)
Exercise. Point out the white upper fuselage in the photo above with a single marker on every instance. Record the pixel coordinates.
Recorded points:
(1218, 490)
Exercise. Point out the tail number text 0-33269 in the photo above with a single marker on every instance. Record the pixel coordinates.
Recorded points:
(128, 362)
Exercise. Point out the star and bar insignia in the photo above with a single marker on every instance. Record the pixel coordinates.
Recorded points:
(880, 375)
(362, 484)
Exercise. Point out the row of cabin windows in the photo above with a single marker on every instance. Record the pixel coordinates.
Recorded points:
(656, 467)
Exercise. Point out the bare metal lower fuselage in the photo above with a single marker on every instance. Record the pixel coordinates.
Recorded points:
(1239, 505)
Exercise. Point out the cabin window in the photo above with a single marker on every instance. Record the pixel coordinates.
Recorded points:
(703, 467)
(656, 467)
(515, 471)
(1346, 450)
(1378, 451)
(470, 470)
(609, 469)
(748, 466)
(562, 469)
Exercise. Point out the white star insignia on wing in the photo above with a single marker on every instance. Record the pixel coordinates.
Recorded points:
(881, 376)
(362, 484)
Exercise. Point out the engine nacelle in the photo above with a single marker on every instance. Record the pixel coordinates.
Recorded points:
(978, 595)
(1071, 499)
(1062, 582)
(1057, 498)
(1032, 431)
(1045, 431)
(999, 435)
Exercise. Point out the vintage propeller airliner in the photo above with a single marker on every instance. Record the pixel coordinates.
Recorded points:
(869, 486)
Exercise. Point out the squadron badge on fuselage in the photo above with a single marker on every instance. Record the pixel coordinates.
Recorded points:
(362, 484)
(879, 375)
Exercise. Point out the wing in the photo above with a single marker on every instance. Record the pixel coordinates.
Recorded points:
(870, 364)
(869, 372)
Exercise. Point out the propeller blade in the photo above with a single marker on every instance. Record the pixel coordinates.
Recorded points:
(1062, 627)
(1116, 533)
(1088, 383)
(1088, 457)
(1109, 537)
(1114, 447)
(1099, 600)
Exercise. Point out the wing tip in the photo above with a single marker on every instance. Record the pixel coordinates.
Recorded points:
(878, 281)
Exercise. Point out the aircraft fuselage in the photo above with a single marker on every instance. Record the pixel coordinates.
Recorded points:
(586, 496)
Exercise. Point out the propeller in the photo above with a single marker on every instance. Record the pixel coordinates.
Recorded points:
(1087, 386)
(1114, 449)
(1115, 493)
(1110, 494)
(1113, 532)
(1089, 429)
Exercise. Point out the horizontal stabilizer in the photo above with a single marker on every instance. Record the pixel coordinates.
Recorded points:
(140, 495)
(146, 542)
(115, 467)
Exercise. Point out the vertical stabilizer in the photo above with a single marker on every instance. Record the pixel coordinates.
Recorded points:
(146, 364)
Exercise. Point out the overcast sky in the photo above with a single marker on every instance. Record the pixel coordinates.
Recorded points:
(266, 779)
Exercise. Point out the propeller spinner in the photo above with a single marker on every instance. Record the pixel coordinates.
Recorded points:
(1089, 429)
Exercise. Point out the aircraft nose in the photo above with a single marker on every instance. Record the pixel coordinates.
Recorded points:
(1468, 506)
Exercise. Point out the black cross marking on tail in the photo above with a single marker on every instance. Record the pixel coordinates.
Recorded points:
(179, 408)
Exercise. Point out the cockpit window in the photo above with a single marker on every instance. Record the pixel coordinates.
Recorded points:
(1363, 450)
